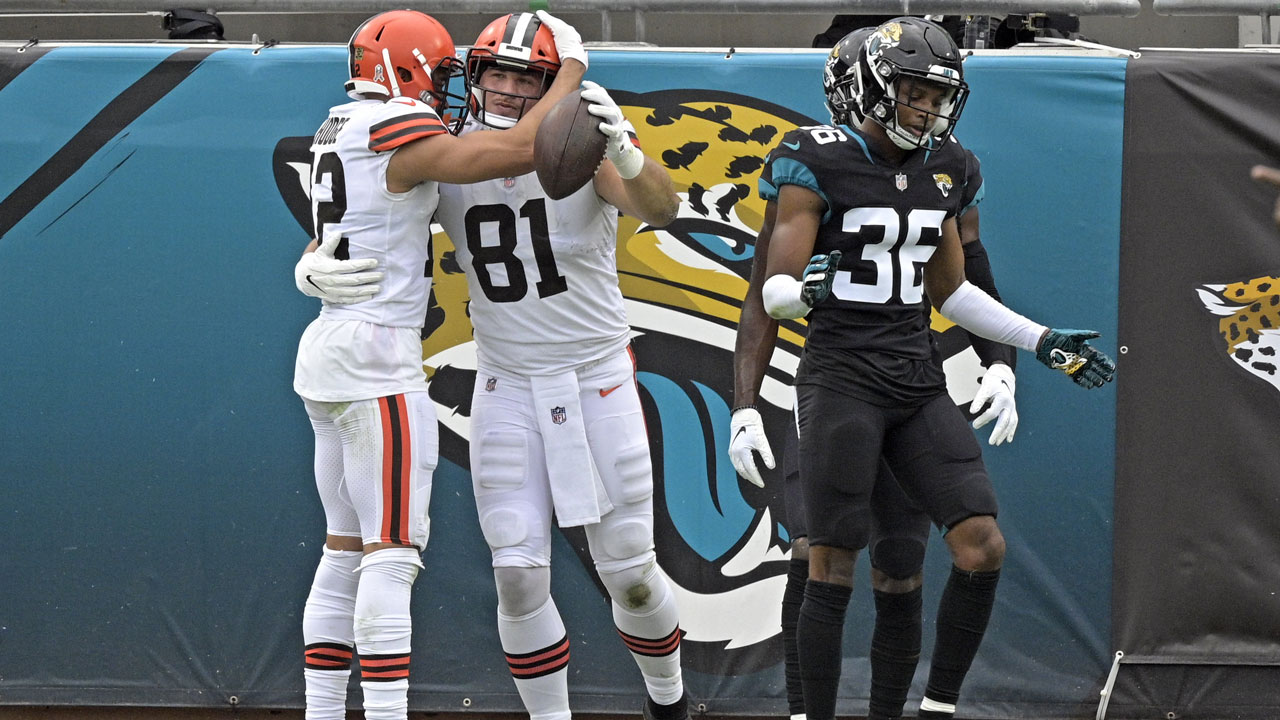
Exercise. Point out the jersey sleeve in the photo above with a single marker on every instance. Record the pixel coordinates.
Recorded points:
(401, 121)
(974, 190)
(791, 162)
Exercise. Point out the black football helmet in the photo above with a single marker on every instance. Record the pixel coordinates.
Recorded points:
(840, 77)
(909, 48)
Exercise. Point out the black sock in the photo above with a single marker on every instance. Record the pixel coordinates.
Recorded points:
(895, 651)
(962, 620)
(819, 634)
(792, 598)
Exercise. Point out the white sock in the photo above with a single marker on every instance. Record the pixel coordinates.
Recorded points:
(537, 649)
(651, 632)
(329, 634)
(383, 630)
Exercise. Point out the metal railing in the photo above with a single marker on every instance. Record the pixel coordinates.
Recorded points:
(1263, 8)
(1124, 8)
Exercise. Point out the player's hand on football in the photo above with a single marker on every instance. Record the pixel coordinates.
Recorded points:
(624, 155)
(819, 274)
(747, 437)
(342, 282)
(1070, 352)
(996, 395)
(568, 41)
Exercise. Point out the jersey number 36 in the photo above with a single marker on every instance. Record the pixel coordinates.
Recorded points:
(899, 254)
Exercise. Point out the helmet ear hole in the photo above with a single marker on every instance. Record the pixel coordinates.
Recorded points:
(405, 74)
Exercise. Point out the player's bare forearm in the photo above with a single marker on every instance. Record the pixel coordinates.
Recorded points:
(757, 332)
(651, 195)
(752, 349)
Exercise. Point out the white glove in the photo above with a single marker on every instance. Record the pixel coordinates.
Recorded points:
(624, 155)
(997, 388)
(746, 430)
(568, 41)
(341, 282)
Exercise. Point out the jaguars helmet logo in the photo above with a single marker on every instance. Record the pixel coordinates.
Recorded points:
(1249, 323)
(886, 36)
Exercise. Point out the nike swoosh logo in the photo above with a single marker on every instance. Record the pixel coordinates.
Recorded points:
(792, 145)
(605, 393)
(313, 284)
(740, 431)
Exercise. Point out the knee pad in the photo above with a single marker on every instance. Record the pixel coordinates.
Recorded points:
(618, 543)
(330, 605)
(382, 617)
(899, 558)
(522, 590)
(503, 527)
(636, 588)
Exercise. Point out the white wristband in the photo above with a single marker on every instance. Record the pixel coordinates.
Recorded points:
(781, 295)
(630, 160)
(979, 313)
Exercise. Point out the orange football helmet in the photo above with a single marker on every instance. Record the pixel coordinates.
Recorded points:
(405, 53)
(519, 41)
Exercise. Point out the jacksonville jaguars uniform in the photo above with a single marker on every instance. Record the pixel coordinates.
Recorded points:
(870, 380)
(359, 366)
(893, 515)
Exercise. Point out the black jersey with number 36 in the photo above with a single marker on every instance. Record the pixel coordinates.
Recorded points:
(870, 338)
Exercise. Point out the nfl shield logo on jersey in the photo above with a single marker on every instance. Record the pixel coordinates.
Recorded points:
(490, 384)
(900, 181)
(558, 415)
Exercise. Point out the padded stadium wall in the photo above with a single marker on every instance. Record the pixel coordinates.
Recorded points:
(160, 512)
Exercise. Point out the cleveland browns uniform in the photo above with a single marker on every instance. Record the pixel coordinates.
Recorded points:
(870, 374)
(359, 366)
(551, 333)
(557, 428)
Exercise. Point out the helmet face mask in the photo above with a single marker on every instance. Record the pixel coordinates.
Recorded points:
(518, 43)
(906, 61)
(406, 53)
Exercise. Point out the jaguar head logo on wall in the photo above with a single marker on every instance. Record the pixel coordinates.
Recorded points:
(1249, 312)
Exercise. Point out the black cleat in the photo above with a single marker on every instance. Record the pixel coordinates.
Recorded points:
(678, 710)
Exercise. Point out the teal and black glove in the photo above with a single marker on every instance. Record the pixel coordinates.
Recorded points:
(1068, 351)
(818, 276)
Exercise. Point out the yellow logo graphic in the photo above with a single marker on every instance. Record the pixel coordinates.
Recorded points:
(693, 271)
(943, 181)
(1250, 323)
(891, 33)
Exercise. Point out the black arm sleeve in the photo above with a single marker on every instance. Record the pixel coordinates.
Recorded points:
(977, 270)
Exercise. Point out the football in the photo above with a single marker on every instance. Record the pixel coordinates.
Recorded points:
(568, 147)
